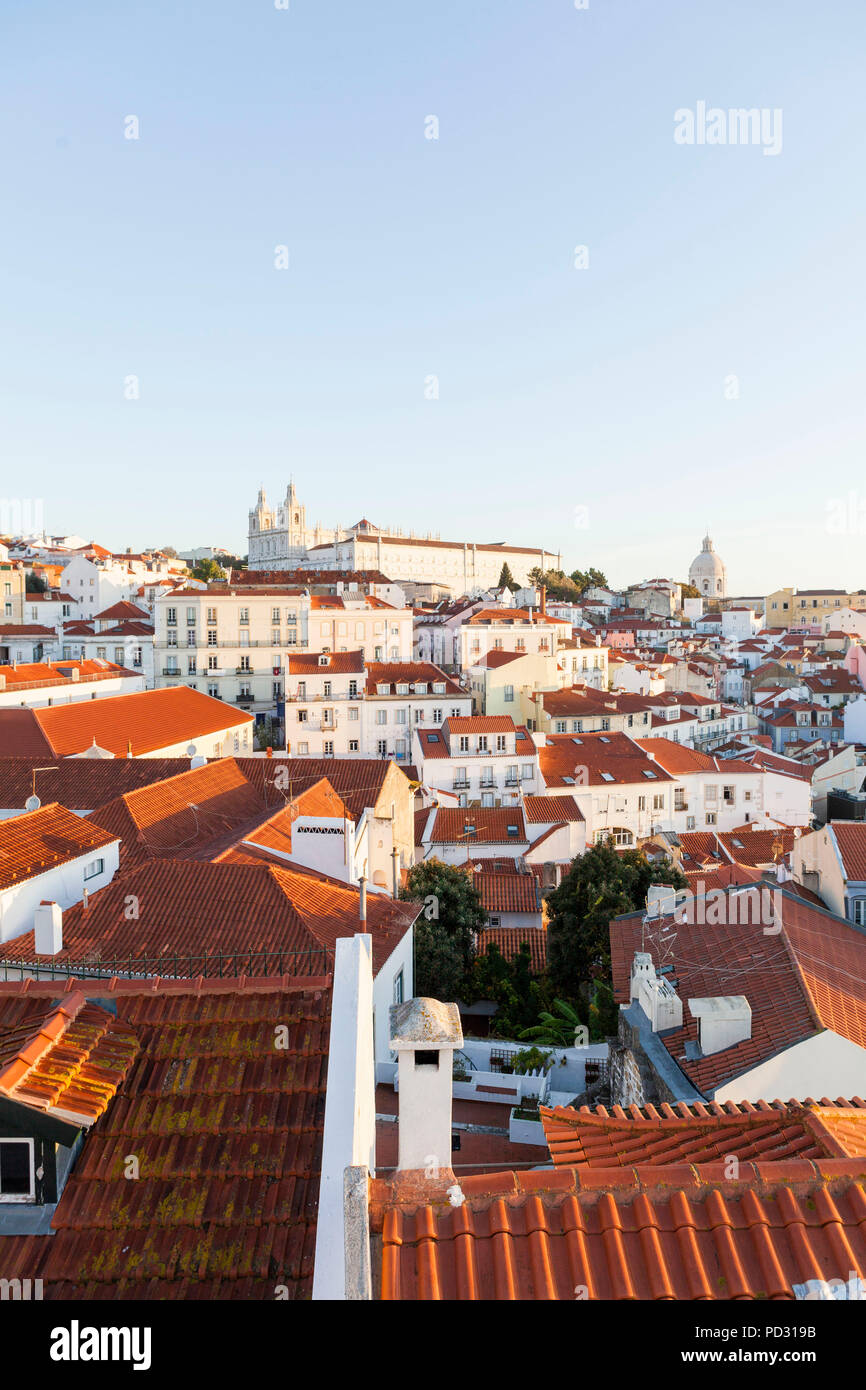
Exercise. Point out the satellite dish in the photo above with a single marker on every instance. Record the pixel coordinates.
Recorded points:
(32, 803)
(191, 750)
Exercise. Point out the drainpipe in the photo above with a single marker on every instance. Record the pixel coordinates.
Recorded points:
(362, 907)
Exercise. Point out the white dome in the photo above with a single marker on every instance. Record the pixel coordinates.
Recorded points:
(707, 572)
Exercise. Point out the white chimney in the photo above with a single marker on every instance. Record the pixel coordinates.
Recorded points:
(656, 995)
(48, 929)
(425, 1034)
(723, 1020)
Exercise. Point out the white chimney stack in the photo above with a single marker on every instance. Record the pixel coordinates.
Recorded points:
(48, 929)
(723, 1021)
(425, 1034)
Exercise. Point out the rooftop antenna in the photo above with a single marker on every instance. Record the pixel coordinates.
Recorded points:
(33, 803)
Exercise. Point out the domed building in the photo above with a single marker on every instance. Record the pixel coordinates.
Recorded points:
(707, 572)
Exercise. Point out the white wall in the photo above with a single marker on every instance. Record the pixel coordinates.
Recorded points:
(63, 884)
(350, 1107)
(823, 1065)
(401, 958)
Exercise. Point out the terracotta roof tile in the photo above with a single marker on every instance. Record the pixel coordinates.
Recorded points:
(649, 1233)
(33, 843)
(810, 976)
(228, 1133)
(509, 941)
(147, 720)
(703, 1134)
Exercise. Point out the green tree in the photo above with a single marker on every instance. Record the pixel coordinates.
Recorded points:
(35, 583)
(445, 931)
(600, 885)
(588, 579)
(507, 580)
(207, 570)
(555, 1028)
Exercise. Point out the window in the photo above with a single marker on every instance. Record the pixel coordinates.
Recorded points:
(711, 817)
(275, 616)
(381, 716)
(729, 793)
(212, 637)
(17, 1178)
(509, 695)
(94, 868)
(326, 690)
(641, 803)
(398, 987)
(244, 615)
(859, 911)
(171, 616)
(190, 617)
(711, 793)
(302, 716)
(658, 802)
(213, 690)
(482, 743)
(211, 615)
(382, 748)
(437, 716)
(190, 666)
(690, 822)
(328, 748)
(353, 745)
(212, 663)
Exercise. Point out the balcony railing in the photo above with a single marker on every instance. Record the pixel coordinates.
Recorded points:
(224, 964)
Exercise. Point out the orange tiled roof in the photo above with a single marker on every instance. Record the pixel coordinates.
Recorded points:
(551, 810)
(147, 720)
(509, 940)
(310, 663)
(186, 813)
(810, 976)
(33, 843)
(851, 839)
(411, 673)
(584, 759)
(681, 1231)
(194, 910)
(705, 1133)
(489, 825)
(228, 1132)
(68, 1059)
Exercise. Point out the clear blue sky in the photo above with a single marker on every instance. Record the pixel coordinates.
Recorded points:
(602, 388)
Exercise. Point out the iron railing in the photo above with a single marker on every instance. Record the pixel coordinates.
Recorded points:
(308, 963)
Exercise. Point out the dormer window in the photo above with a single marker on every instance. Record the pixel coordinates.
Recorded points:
(323, 660)
(438, 687)
(420, 687)
(383, 688)
(608, 777)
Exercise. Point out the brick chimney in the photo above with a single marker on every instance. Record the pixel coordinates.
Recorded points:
(425, 1034)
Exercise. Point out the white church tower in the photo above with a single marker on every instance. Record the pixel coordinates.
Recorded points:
(279, 536)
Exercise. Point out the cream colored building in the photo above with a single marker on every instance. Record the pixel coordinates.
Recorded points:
(819, 608)
(233, 642)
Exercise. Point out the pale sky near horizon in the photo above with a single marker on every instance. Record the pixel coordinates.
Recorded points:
(605, 393)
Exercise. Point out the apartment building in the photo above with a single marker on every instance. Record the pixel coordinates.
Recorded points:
(484, 760)
(508, 629)
(808, 608)
(233, 641)
(337, 705)
(13, 592)
(630, 789)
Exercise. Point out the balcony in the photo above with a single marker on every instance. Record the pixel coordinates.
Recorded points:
(244, 671)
